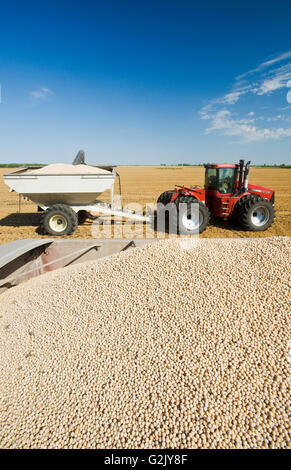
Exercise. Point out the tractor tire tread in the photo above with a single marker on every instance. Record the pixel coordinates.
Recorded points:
(165, 197)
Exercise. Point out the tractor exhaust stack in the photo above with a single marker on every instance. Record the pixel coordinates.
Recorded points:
(241, 169)
(246, 177)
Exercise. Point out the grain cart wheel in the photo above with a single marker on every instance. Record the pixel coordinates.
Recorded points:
(82, 217)
(256, 214)
(187, 221)
(165, 197)
(59, 220)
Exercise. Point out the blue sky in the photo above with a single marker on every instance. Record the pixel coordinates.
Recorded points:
(145, 82)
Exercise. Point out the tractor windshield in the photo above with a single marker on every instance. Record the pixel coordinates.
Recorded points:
(226, 179)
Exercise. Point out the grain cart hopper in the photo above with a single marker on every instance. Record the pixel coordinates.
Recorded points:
(24, 259)
(68, 193)
(226, 195)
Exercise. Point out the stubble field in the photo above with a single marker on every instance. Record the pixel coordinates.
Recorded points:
(143, 184)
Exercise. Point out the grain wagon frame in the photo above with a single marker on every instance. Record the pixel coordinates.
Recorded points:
(66, 200)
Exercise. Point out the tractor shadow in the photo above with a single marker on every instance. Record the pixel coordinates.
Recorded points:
(218, 223)
(21, 220)
(226, 225)
(161, 228)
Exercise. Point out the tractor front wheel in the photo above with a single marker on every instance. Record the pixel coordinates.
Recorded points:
(165, 197)
(256, 214)
(189, 219)
(58, 220)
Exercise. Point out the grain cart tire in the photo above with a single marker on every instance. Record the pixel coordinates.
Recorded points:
(58, 220)
(186, 222)
(256, 214)
(165, 197)
(82, 217)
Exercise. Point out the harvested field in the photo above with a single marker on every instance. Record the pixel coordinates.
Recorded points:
(143, 185)
(133, 352)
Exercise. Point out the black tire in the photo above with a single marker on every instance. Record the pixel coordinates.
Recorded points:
(179, 216)
(58, 220)
(235, 216)
(255, 213)
(82, 217)
(165, 197)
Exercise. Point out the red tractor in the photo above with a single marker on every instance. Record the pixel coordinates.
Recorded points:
(226, 195)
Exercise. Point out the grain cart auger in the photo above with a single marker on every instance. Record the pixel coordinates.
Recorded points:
(226, 195)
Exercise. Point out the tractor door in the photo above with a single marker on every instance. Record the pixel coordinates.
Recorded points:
(220, 185)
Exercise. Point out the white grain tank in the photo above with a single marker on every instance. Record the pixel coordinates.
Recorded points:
(61, 184)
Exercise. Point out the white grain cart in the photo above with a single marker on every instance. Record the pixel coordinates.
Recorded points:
(67, 199)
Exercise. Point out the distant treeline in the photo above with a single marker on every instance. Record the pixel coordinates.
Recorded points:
(273, 166)
(281, 165)
(17, 165)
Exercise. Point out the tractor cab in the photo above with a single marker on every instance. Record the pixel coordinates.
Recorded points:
(230, 179)
(224, 183)
(221, 178)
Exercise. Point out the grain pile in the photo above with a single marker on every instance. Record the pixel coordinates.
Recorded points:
(67, 169)
(156, 347)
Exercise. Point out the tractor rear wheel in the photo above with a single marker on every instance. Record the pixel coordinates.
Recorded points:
(187, 220)
(256, 214)
(59, 220)
(165, 197)
(235, 216)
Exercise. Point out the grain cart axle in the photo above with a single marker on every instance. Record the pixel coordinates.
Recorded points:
(226, 195)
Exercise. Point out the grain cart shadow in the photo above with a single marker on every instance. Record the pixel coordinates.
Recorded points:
(20, 220)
